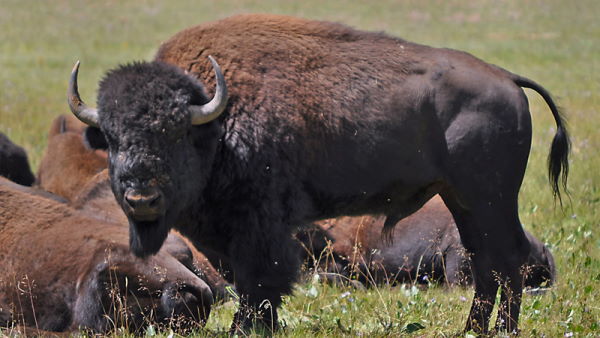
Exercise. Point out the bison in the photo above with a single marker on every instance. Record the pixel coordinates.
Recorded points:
(68, 161)
(313, 120)
(73, 168)
(426, 248)
(14, 164)
(63, 270)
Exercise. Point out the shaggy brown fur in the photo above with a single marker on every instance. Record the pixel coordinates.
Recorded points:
(60, 273)
(67, 163)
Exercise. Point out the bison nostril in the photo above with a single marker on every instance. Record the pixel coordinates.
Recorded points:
(144, 202)
(136, 199)
(153, 200)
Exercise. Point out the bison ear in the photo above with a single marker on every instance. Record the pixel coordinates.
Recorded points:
(62, 124)
(94, 138)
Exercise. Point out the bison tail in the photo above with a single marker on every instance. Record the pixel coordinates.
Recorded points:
(558, 159)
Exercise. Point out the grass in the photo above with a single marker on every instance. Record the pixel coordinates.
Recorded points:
(555, 42)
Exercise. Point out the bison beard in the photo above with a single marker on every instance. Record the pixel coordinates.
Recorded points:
(146, 237)
(322, 120)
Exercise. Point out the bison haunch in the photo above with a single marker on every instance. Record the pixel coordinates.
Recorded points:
(321, 120)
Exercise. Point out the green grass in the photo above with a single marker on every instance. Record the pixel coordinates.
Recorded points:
(555, 42)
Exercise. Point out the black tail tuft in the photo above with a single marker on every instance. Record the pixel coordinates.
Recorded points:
(558, 159)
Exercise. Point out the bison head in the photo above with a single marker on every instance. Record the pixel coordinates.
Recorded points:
(161, 144)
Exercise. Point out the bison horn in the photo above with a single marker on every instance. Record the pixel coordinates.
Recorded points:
(81, 110)
(211, 110)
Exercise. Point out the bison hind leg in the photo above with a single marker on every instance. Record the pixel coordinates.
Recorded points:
(491, 232)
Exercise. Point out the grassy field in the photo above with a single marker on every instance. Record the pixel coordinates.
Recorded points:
(554, 42)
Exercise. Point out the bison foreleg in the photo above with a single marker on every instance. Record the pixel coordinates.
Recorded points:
(264, 267)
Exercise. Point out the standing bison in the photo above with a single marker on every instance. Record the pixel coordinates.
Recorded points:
(313, 120)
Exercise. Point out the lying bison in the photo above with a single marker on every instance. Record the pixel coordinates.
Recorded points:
(63, 270)
(68, 161)
(74, 169)
(314, 120)
(426, 248)
(14, 164)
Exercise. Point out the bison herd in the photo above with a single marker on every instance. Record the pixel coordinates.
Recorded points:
(371, 158)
